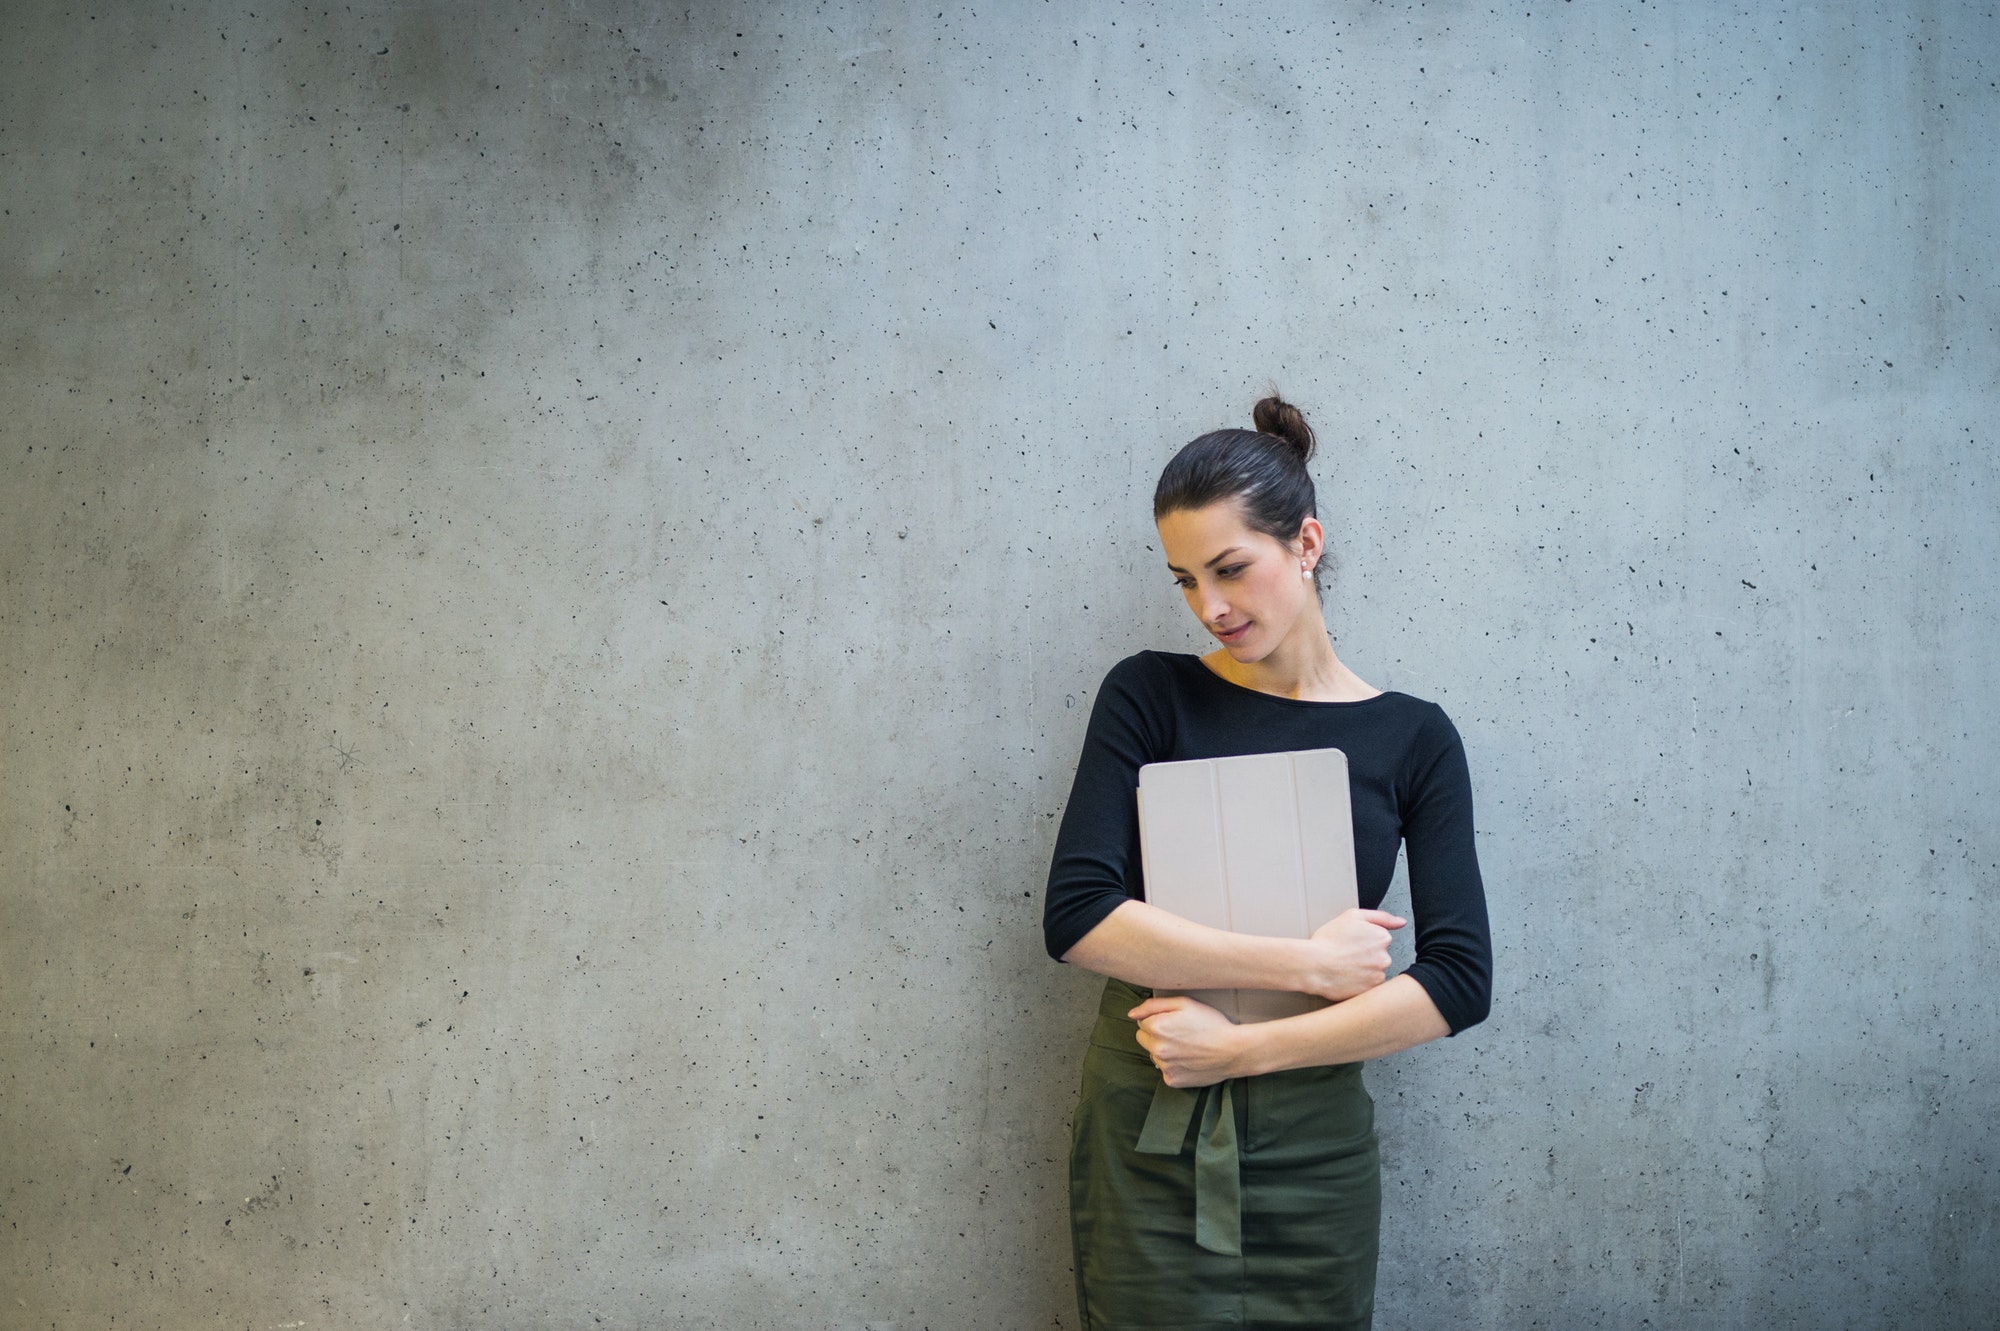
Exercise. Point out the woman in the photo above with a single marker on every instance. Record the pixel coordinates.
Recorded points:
(1226, 1175)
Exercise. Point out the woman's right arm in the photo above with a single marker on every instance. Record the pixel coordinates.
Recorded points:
(1093, 916)
(1145, 945)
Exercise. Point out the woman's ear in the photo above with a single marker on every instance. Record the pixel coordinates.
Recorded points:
(1311, 543)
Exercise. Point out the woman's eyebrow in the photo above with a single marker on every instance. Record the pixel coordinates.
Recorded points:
(1176, 568)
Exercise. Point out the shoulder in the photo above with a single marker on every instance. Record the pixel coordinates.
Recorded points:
(1421, 716)
(1434, 752)
(1141, 696)
(1134, 713)
(1418, 728)
(1433, 726)
(1149, 675)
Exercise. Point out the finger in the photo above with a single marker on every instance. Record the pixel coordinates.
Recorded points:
(1153, 1007)
(1383, 918)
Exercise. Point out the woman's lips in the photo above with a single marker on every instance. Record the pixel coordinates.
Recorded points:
(1231, 635)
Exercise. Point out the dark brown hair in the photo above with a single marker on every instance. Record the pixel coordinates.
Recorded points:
(1264, 470)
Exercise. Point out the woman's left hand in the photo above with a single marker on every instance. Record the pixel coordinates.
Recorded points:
(1190, 1042)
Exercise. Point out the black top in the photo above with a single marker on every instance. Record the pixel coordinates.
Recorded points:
(1406, 776)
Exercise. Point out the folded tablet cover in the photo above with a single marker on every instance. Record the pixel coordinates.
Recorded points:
(1260, 844)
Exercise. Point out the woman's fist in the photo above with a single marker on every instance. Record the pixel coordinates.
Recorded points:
(1189, 1042)
(1352, 950)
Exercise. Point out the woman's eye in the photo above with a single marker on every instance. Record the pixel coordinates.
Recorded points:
(1232, 570)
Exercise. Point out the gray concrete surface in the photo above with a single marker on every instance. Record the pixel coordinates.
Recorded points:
(556, 557)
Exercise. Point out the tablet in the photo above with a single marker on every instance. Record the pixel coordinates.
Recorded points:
(1257, 844)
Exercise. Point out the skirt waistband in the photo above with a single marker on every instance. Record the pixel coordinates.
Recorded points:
(1120, 998)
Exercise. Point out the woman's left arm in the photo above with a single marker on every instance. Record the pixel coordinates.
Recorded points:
(1194, 1045)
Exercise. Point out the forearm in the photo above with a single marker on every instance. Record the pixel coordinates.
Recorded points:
(1391, 1017)
(1145, 945)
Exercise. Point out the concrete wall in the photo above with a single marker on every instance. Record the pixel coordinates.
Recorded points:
(553, 561)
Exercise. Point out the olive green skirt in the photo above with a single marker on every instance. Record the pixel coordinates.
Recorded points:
(1253, 1203)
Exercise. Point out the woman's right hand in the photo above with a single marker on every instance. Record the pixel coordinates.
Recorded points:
(1352, 952)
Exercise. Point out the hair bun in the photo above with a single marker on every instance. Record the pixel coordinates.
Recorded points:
(1280, 419)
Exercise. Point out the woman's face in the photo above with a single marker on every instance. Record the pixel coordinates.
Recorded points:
(1249, 589)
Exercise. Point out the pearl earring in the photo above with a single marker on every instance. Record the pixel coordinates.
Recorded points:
(1305, 571)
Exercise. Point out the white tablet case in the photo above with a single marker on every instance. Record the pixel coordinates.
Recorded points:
(1261, 844)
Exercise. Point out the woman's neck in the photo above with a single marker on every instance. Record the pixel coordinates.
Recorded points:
(1303, 667)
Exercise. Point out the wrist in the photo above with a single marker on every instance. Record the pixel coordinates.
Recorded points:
(1309, 973)
(1248, 1055)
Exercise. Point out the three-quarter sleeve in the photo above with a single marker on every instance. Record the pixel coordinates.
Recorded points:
(1095, 868)
(1454, 961)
